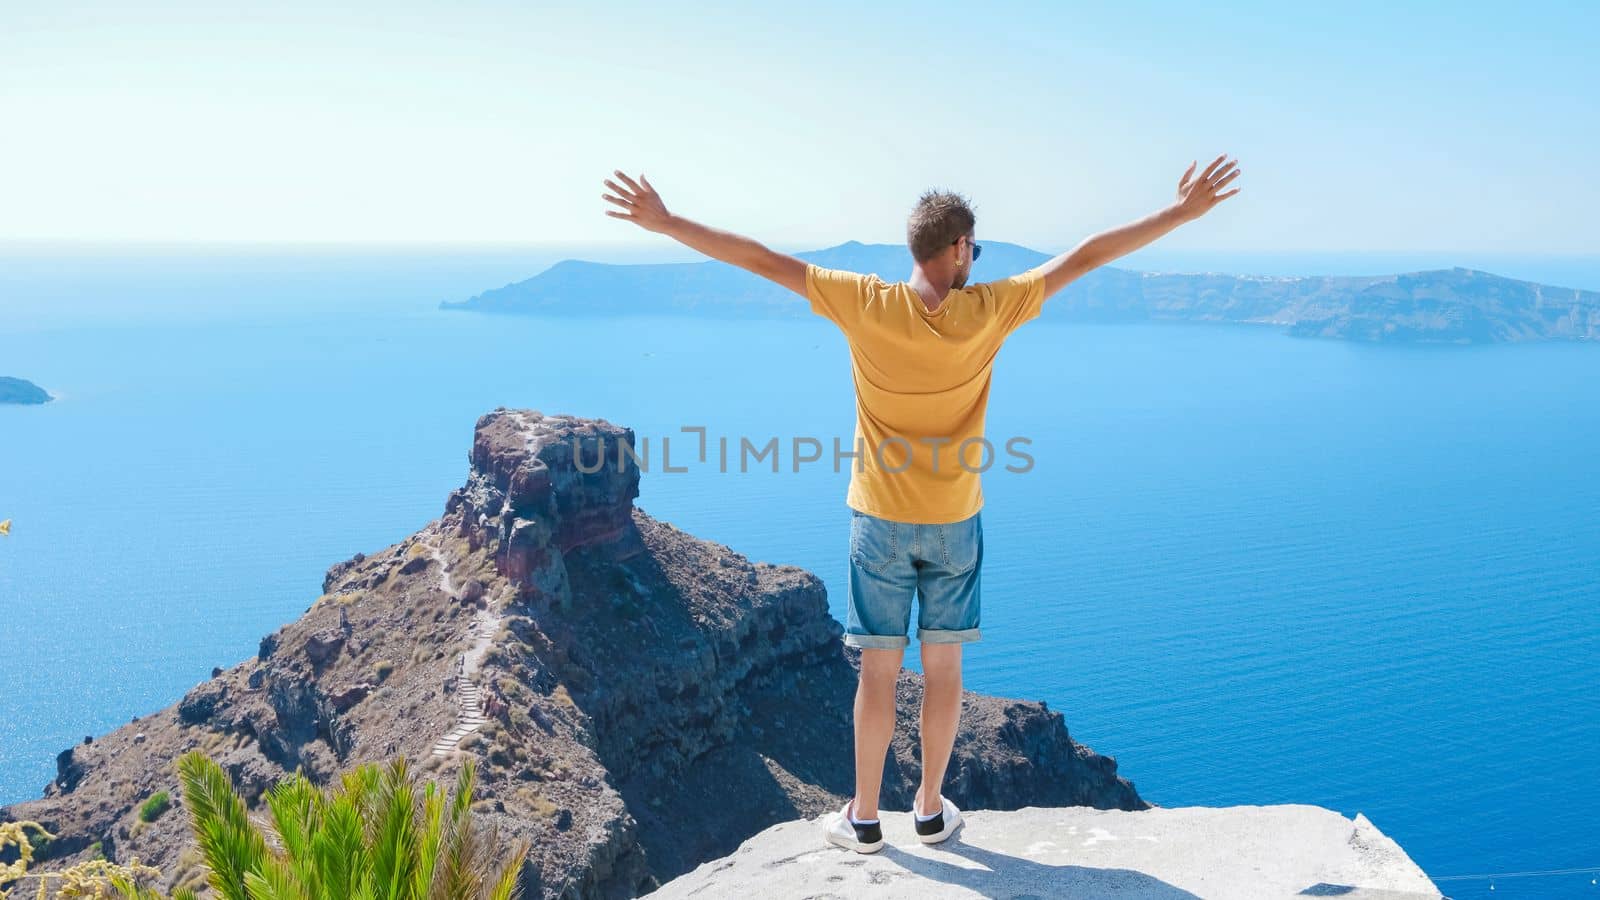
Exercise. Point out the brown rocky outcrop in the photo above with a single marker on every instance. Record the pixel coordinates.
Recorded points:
(648, 700)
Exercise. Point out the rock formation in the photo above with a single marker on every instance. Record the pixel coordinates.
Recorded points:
(639, 701)
(1227, 853)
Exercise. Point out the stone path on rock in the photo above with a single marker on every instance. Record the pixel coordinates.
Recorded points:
(469, 697)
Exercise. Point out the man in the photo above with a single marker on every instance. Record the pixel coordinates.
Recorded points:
(921, 353)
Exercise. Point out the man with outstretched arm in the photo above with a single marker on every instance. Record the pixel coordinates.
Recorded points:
(921, 353)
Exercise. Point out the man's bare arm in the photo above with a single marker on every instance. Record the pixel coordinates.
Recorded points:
(1196, 197)
(640, 204)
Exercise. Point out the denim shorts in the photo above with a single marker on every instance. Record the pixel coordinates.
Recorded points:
(892, 561)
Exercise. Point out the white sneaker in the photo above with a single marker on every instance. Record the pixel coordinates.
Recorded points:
(839, 829)
(941, 826)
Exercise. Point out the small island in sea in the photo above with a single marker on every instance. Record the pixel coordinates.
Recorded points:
(17, 390)
(1449, 306)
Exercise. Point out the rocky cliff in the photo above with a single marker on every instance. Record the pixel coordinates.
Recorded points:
(639, 701)
(1176, 853)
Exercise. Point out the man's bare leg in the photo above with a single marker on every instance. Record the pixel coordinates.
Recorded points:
(874, 724)
(941, 715)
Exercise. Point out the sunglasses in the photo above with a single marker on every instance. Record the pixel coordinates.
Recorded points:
(977, 249)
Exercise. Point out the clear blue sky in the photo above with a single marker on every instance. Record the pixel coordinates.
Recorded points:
(1358, 126)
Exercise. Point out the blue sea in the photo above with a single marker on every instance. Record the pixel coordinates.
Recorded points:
(1254, 569)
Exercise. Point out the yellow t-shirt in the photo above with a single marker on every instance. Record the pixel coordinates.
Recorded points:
(922, 387)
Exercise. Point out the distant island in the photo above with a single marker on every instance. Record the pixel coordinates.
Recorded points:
(1455, 306)
(16, 390)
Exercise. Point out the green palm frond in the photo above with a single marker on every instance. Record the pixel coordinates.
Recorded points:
(428, 845)
(459, 856)
(454, 878)
(373, 838)
(297, 810)
(361, 785)
(339, 850)
(466, 782)
(294, 806)
(275, 880)
(394, 856)
(509, 885)
(217, 816)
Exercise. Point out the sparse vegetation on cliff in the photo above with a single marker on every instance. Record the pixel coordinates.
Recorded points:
(155, 806)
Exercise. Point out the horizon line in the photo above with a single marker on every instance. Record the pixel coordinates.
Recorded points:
(511, 244)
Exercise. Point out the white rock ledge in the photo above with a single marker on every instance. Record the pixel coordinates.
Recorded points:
(1287, 850)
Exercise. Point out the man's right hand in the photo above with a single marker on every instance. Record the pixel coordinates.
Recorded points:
(639, 202)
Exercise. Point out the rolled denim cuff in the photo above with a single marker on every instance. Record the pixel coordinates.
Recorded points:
(947, 635)
(876, 641)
